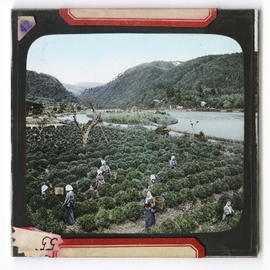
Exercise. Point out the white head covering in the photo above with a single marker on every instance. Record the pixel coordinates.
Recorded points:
(69, 188)
(152, 177)
(228, 203)
(103, 162)
(228, 208)
(44, 188)
(173, 157)
(99, 172)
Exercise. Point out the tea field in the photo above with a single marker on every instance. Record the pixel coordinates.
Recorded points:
(207, 174)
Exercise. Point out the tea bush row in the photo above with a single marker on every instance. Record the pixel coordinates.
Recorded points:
(104, 217)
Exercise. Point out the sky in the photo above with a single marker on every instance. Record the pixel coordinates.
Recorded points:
(76, 58)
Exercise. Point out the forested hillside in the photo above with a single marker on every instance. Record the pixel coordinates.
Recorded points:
(215, 79)
(40, 86)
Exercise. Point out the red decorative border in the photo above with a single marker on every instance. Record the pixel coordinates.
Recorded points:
(119, 243)
(72, 20)
(134, 242)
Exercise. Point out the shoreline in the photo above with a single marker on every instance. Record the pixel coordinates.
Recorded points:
(150, 110)
(172, 109)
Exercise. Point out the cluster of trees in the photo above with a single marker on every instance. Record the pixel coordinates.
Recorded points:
(33, 108)
(233, 101)
(38, 108)
(58, 158)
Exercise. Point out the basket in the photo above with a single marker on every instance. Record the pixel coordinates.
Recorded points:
(159, 202)
(114, 175)
(59, 191)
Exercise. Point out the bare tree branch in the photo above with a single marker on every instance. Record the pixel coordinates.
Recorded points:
(75, 121)
(92, 106)
(85, 129)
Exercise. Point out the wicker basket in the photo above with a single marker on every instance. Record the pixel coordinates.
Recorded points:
(59, 191)
(159, 202)
(114, 175)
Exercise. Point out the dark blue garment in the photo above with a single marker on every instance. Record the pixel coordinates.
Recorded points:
(69, 215)
(150, 219)
(69, 208)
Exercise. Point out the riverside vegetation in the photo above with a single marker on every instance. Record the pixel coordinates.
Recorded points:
(136, 118)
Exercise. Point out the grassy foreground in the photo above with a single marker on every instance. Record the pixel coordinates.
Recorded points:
(134, 118)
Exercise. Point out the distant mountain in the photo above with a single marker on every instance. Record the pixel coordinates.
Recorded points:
(77, 89)
(215, 79)
(131, 87)
(74, 89)
(44, 87)
(89, 84)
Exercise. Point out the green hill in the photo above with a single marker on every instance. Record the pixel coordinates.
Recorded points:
(43, 87)
(215, 79)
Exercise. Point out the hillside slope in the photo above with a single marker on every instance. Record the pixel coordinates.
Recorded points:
(40, 86)
(216, 79)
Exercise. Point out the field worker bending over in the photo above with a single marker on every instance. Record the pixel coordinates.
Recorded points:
(149, 212)
(172, 162)
(227, 210)
(44, 191)
(99, 179)
(69, 204)
(151, 182)
(105, 169)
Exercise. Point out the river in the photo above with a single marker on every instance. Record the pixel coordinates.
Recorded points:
(228, 125)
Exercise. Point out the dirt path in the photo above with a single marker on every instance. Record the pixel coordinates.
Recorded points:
(75, 228)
